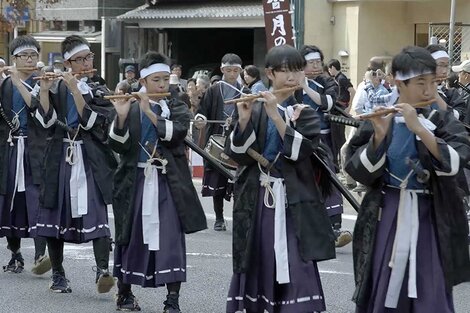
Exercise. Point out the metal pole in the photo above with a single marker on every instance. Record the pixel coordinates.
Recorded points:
(103, 47)
(451, 32)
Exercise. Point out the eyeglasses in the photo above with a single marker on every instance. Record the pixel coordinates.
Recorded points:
(33, 56)
(81, 60)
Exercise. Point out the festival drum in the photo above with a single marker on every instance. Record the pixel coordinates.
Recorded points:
(215, 147)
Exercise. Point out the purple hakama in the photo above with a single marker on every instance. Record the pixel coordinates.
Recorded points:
(58, 222)
(19, 221)
(135, 263)
(257, 289)
(430, 281)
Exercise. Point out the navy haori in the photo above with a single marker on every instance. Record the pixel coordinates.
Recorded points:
(58, 222)
(215, 184)
(257, 289)
(135, 263)
(19, 210)
(431, 291)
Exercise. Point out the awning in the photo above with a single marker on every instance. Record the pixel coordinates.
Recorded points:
(223, 14)
(59, 36)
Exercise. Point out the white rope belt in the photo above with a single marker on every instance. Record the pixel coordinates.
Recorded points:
(78, 181)
(278, 193)
(150, 206)
(404, 246)
(20, 184)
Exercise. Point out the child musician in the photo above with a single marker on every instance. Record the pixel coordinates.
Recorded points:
(78, 166)
(410, 240)
(280, 225)
(155, 202)
(21, 154)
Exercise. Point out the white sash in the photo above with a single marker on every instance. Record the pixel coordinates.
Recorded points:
(150, 208)
(78, 181)
(278, 193)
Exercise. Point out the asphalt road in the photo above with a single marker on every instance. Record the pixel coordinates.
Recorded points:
(209, 271)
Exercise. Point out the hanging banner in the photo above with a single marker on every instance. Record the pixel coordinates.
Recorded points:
(278, 23)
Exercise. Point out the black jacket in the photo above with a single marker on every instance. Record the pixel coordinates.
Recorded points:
(126, 142)
(95, 119)
(305, 203)
(36, 137)
(450, 220)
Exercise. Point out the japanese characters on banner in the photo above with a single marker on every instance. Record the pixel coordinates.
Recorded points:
(278, 23)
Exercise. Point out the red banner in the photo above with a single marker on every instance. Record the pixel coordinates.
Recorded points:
(278, 23)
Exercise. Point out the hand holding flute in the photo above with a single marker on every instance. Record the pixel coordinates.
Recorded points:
(382, 111)
(249, 98)
(54, 75)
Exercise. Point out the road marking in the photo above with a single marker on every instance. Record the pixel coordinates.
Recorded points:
(335, 272)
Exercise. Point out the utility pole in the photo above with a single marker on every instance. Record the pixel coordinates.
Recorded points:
(451, 31)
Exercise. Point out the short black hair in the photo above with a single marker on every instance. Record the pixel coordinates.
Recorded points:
(334, 63)
(231, 58)
(153, 57)
(413, 59)
(284, 57)
(306, 49)
(173, 66)
(25, 40)
(71, 42)
(253, 71)
(435, 47)
(192, 80)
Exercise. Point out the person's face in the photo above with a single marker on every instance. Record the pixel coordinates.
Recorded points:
(158, 82)
(377, 76)
(313, 68)
(248, 79)
(130, 75)
(332, 70)
(201, 85)
(283, 78)
(442, 68)
(464, 77)
(231, 73)
(26, 58)
(191, 86)
(177, 71)
(80, 61)
(418, 89)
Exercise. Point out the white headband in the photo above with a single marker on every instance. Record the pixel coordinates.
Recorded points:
(230, 64)
(409, 75)
(154, 68)
(77, 49)
(312, 56)
(439, 54)
(24, 48)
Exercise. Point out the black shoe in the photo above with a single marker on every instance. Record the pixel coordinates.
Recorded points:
(219, 225)
(171, 304)
(127, 302)
(16, 264)
(59, 283)
(104, 281)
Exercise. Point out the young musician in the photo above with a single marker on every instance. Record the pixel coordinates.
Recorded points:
(410, 239)
(78, 166)
(21, 152)
(155, 202)
(280, 225)
(319, 92)
(212, 107)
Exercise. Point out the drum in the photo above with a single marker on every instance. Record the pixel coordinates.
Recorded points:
(215, 147)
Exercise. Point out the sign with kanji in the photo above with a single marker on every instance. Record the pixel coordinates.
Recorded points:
(278, 23)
